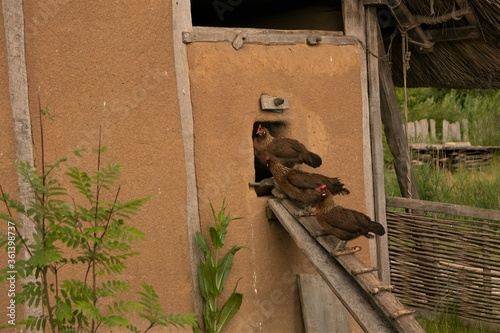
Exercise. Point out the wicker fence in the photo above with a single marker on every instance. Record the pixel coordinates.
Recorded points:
(445, 258)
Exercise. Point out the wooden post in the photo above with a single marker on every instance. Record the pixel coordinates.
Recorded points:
(381, 244)
(181, 23)
(455, 131)
(432, 125)
(446, 131)
(354, 19)
(465, 130)
(18, 86)
(395, 135)
(423, 132)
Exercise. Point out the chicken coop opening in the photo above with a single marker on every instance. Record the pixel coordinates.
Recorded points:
(269, 14)
(276, 129)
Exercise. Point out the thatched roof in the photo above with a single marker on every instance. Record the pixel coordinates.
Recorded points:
(470, 59)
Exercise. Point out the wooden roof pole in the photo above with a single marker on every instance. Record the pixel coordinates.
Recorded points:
(409, 24)
(18, 86)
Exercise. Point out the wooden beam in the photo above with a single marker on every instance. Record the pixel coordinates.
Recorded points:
(353, 13)
(18, 86)
(408, 23)
(347, 290)
(452, 34)
(265, 37)
(393, 127)
(470, 17)
(445, 208)
(182, 22)
(374, 2)
(381, 243)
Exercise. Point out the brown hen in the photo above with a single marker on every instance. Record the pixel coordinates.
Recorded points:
(287, 151)
(343, 223)
(303, 186)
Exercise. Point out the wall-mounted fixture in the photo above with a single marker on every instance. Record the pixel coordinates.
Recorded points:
(273, 104)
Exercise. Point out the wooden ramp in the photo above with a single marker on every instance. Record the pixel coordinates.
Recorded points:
(371, 303)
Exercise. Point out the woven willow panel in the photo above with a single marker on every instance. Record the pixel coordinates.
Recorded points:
(446, 264)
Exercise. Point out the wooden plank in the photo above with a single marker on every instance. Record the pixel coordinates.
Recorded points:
(381, 244)
(18, 86)
(265, 37)
(321, 309)
(381, 297)
(182, 22)
(347, 290)
(445, 208)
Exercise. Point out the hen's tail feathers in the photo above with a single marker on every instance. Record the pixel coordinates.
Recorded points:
(337, 187)
(313, 160)
(340, 189)
(377, 228)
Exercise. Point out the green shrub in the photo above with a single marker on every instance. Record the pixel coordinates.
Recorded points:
(81, 241)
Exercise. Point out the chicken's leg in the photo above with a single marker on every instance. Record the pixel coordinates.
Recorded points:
(341, 249)
(306, 211)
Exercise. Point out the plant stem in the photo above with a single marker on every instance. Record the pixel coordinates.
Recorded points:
(94, 250)
(26, 247)
(47, 299)
(110, 215)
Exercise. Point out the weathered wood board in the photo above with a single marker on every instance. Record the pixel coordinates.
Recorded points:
(321, 309)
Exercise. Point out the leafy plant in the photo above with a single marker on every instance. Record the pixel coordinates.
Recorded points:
(80, 240)
(214, 272)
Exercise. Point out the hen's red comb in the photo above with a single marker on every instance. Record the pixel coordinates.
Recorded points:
(259, 128)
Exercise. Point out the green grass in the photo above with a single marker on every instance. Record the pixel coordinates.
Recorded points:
(450, 324)
(470, 187)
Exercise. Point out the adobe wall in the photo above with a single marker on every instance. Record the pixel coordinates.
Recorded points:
(80, 56)
(323, 87)
(111, 65)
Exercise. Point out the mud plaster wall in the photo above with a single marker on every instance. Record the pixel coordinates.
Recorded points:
(323, 87)
(81, 55)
